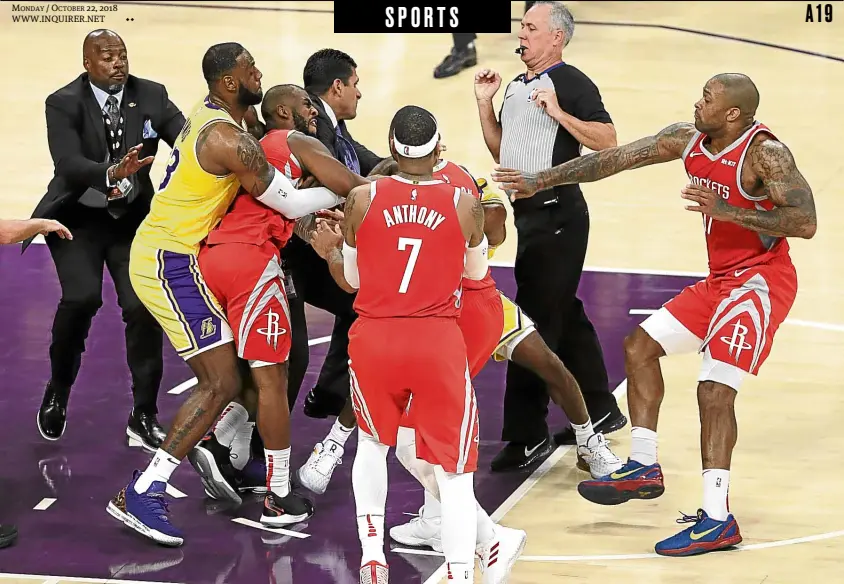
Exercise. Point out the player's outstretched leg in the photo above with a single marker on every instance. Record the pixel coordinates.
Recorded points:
(281, 506)
(593, 453)
(714, 527)
(327, 455)
(369, 485)
(141, 505)
(641, 477)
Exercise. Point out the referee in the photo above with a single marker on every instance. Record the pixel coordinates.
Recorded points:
(547, 115)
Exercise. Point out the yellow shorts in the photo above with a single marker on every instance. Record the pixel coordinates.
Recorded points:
(170, 286)
(517, 326)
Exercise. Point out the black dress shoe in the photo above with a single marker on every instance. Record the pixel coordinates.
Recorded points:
(52, 416)
(517, 456)
(455, 62)
(144, 430)
(321, 403)
(607, 425)
(8, 535)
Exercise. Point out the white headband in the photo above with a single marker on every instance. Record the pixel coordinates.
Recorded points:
(417, 151)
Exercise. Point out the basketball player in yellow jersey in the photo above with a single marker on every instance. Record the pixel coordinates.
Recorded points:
(213, 158)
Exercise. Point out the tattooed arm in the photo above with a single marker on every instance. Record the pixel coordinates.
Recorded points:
(357, 203)
(386, 167)
(794, 215)
(305, 226)
(667, 145)
(471, 214)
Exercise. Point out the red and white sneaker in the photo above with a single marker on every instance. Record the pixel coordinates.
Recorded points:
(374, 573)
(498, 557)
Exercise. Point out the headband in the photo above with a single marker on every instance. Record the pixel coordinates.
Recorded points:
(417, 151)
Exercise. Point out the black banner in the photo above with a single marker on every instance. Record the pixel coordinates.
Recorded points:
(373, 16)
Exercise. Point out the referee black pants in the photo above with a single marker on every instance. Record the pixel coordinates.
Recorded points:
(549, 261)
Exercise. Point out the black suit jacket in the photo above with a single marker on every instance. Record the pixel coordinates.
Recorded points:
(77, 141)
(327, 135)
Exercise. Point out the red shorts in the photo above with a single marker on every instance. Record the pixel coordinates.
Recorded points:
(731, 318)
(394, 361)
(249, 284)
(481, 322)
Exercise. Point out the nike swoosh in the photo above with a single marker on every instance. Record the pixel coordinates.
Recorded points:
(532, 450)
(696, 536)
(740, 272)
(621, 475)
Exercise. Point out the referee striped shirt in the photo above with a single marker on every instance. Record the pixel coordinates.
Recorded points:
(532, 141)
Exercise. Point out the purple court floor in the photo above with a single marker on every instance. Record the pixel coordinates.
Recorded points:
(75, 537)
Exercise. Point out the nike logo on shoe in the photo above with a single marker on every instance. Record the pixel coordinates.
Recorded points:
(696, 536)
(529, 452)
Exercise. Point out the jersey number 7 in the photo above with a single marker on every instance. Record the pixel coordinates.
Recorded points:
(415, 245)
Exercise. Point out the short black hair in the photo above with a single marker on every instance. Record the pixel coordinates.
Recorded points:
(413, 126)
(274, 96)
(324, 66)
(219, 60)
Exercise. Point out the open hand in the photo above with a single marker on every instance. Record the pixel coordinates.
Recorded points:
(517, 184)
(51, 226)
(130, 164)
(708, 202)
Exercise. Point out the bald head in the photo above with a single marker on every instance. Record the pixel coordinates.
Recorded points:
(105, 59)
(740, 92)
(288, 107)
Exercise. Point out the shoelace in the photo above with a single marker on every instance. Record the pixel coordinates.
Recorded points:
(157, 505)
(690, 518)
(326, 461)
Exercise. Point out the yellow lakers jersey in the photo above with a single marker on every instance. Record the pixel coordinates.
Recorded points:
(190, 201)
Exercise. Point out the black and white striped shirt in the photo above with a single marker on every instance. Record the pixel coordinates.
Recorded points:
(532, 141)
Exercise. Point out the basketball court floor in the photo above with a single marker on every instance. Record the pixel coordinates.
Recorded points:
(650, 60)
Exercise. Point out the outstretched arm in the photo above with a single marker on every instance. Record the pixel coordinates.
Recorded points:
(773, 165)
(667, 145)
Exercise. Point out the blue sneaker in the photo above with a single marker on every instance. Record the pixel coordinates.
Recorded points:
(706, 535)
(632, 481)
(146, 513)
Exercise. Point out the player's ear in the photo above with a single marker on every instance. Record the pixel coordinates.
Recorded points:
(393, 149)
(733, 114)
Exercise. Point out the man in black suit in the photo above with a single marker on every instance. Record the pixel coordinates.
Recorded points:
(103, 130)
(330, 78)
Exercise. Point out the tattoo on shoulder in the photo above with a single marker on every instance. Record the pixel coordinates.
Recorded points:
(774, 164)
(249, 152)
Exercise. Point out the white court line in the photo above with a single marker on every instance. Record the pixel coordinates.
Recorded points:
(257, 525)
(55, 580)
(827, 326)
(43, 579)
(44, 504)
(186, 385)
(523, 489)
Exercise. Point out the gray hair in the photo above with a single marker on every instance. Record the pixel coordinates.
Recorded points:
(560, 19)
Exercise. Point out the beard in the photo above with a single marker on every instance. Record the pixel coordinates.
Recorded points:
(247, 98)
(301, 124)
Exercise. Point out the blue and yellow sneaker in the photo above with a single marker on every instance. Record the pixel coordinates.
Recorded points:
(146, 512)
(632, 481)
(706, 535)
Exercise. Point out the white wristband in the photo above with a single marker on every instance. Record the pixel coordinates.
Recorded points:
(350, 265)
(477, 261)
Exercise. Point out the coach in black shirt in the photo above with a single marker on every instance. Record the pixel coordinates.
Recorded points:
(330, 78)
(546, 115)
(103, 130)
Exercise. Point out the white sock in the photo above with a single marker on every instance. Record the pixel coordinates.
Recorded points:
(369, 485)
(582, 432)
(339, 433)
(643, 446)
(486, 528)
(240, 445)
(459, 525)
(278, 471)
(716, 487)
(160, 469)
(432, 509)
(230, 420)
